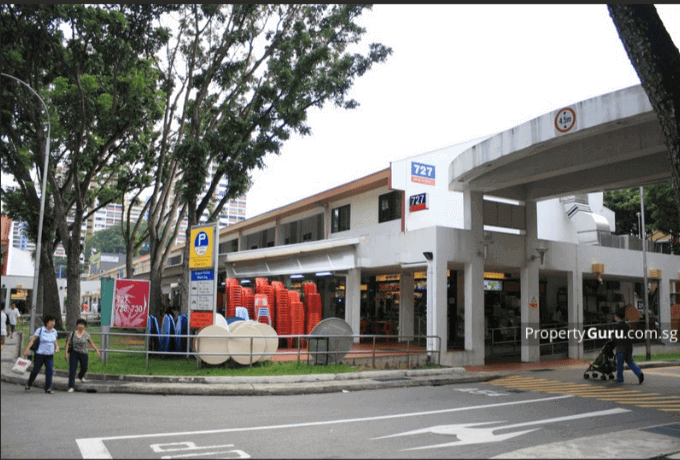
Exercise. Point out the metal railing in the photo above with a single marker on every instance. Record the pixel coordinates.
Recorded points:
(499, 337)
(630, 242)
(301, 351)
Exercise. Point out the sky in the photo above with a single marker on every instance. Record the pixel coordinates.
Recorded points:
(457, 73)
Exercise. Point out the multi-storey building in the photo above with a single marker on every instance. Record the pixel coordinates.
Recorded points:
(478, 246)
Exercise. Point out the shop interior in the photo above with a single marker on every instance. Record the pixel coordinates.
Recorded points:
(380, 299)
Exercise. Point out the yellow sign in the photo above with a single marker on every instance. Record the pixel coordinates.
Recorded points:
(201, 247)
(494, 275)
(20, 294)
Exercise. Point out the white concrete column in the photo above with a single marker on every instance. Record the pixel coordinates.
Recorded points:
(406, 306)
(8, 293)
(353, 300)
(440, 300)
(474, 278)
(575, 309)
(529, 289)
(664, 306)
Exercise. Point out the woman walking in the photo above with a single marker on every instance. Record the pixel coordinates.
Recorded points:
(80, 339)
(45, 354)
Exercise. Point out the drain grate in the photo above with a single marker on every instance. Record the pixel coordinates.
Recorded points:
(515, 391)
(540, 370)
(668, 430)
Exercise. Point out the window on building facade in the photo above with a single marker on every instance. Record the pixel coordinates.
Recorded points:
(174, 261)
(389, 206)
(228, 246)
(340, 219)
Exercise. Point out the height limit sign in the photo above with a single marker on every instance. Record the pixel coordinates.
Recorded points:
(565, 120)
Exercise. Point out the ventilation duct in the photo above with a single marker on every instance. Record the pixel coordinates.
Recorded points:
(588, 224)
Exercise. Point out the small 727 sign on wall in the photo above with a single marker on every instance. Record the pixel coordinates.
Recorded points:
(417, 202)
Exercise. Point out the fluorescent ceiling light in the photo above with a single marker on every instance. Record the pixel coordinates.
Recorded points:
(245, 281)
(324, 274)
(295, 277)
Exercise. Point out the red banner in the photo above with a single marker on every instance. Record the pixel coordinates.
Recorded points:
(131, 303)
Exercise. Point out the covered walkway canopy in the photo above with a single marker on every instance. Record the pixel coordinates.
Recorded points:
(609, 142)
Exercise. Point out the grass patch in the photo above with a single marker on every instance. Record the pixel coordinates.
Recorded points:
(124, 364)
(179, 365)
(657, 357)
(641, 358)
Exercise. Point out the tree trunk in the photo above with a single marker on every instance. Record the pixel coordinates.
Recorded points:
(48, 300)
(657, 62)
(73, 306)
(155, 292)
(186, 274)
(129, 249)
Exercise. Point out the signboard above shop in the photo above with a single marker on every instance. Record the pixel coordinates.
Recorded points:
(422, 173)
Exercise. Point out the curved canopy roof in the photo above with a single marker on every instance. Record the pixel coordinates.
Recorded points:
(609, 142)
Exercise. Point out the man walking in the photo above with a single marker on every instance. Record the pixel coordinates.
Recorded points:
(13, 316)
(624, 348)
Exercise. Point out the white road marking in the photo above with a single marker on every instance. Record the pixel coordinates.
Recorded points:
(240, 454)
(469, 433)
(477, 391)
(95, 448)
(188, 445)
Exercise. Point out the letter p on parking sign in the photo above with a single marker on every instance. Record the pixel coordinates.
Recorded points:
(201, 252)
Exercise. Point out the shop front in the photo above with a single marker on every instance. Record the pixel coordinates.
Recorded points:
(381, 307)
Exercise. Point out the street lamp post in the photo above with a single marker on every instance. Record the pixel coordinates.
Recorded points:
(648, 351)
(36, 273)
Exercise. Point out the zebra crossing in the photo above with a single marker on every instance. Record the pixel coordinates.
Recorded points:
(636, 398)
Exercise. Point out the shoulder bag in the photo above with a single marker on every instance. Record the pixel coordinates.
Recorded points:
(36, 342)
(70, 343)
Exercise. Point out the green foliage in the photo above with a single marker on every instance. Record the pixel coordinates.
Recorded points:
(110, 240)
(661, 209)
(239, 80)
(94, 67)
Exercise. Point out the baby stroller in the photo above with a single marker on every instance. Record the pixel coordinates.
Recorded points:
(604, 365)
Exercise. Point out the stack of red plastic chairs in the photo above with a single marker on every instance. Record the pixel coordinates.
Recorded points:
(297, 316)
(260, 301)
(262, 287)
(249, 301)
(235, 299)
(313, 300)
(309, 288)
(231, 308)
(282, 312)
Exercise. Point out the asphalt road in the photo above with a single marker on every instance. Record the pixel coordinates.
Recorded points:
(480, 420)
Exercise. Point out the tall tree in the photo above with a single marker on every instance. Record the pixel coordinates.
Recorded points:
(93, 64)
(661, 210)
(240, 80)
(657, 62)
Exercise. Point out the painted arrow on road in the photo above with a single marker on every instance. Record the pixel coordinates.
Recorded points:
(474, 433)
